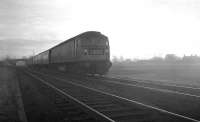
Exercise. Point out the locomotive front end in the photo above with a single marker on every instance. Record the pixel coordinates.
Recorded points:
(95, 53)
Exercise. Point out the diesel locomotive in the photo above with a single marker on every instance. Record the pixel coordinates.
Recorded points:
(88, 52)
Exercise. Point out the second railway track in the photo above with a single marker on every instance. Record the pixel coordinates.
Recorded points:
(177, 89)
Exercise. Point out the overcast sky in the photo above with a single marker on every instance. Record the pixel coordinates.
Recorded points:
(136, 28)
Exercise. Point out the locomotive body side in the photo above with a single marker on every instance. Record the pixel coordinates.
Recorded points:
(63, 53)
(85, 53)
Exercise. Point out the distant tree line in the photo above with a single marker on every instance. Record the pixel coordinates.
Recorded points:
(168, 59)
(9, 60)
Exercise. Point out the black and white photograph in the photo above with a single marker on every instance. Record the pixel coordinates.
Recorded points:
(99, 61)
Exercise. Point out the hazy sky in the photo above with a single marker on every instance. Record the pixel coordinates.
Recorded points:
(136, 28)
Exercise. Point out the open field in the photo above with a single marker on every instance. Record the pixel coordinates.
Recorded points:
(174, 74)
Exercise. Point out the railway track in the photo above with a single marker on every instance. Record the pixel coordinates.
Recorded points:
(67, 107)
(147, 84)
(111, 106)
(177, 99)
(176, 89)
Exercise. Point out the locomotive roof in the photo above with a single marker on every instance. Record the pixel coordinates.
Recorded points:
(84, 34)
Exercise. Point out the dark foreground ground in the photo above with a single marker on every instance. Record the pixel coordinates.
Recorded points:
(38, 104)
(21, 100)
(8, 95)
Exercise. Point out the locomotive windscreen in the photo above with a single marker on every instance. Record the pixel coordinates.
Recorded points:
(94, 39)
(95, 42)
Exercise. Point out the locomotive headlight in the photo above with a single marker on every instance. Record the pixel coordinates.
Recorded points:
(106, 51)
(85, 51)
(107, 43)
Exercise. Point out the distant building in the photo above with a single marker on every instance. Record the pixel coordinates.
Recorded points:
(20, 63)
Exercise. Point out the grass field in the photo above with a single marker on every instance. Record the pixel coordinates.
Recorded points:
(176, 74)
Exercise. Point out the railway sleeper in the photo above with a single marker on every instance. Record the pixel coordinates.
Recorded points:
(116, 109)
(66, 105)
(78, 116)
(130, 116)
(71, 109)
(60, 100)
(97, 106)
(82, 120)
(79, 119)
(74, 114)
(98, 103)
(93, 99)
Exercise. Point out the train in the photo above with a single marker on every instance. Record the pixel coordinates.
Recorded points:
(88, 52)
